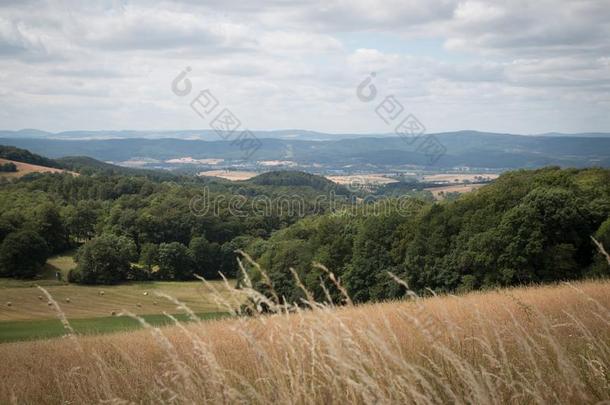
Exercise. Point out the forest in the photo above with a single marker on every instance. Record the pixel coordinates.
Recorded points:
(528, 226)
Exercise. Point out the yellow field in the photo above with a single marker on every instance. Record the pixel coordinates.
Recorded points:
(88, 301)
(26, 168)
(546, 344)
(359, 180)
(458, 188)
(232, 175)
(460, 177)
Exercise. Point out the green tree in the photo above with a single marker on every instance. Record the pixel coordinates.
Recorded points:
(8, 167)
(81, 220)
(205, 257)
(105, 259)
(22, 254)
(149, 256)
(48, 223)
(175, 261)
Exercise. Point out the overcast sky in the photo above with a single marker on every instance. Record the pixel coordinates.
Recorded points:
(505, 66)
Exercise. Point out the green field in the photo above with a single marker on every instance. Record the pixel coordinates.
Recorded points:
(11, 331)
(25, 312)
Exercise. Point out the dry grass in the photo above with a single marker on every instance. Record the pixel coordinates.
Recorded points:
(232, 175)
(26, 168)
(545, 344)
(459, 188)
(362, 179)
(27, 303)
(460, 177)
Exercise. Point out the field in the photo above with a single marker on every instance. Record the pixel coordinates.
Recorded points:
(458, 188)
(460, 177)
(26, 168)
(357, 180)
(26, 313)
(232, 175)
(548, 344)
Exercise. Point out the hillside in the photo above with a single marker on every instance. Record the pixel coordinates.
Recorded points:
(289, 178)
(530, 345)
(25, 156)
(27, 168)
(463, 148)
(89, 165)
(528, 226)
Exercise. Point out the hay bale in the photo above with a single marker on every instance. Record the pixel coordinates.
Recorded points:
(9, 304)
(68, 300)
(113, 313)
(145, 292)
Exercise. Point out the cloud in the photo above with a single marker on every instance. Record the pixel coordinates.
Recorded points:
(492, 65)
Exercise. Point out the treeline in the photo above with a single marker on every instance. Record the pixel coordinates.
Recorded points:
(25, 156)
(8, 167)
(526, 227)
(136, 227)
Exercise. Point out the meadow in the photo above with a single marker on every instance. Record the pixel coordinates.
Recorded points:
(27, 168)
(26, 313)
(540, 344)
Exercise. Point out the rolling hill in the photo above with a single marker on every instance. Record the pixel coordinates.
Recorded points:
(464, 148)
(27, 168)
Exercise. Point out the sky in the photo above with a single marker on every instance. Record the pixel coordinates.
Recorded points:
(507, 66)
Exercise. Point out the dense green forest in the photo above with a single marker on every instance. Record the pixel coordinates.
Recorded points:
(143, 225)
(25, 156)
(528, 226)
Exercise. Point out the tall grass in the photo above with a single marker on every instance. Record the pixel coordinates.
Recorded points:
(547, 344)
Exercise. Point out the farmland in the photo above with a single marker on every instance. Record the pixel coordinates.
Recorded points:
(520, 345)
(26, 168)
(26, 313)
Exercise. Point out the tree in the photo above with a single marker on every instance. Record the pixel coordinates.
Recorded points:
(81, 220)
(175, 261)
(205, 257)
(105, 259)
(149, 256)
(8, 167)
(371, 258)
(22, 254)
(48, 223)
(600, 265)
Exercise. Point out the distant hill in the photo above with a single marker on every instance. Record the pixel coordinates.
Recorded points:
(201, 134)
(291, 178)
(25, 156)
(23, 169)
(462, 149)
(212, 135)
(85, 164)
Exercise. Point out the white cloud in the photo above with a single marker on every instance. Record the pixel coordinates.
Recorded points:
(503, 65)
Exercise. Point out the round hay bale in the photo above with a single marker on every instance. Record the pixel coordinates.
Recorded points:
(113, 313)
(101, 292)
(68, 300)
(49, 303)
(9, 304)
(145, 292)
